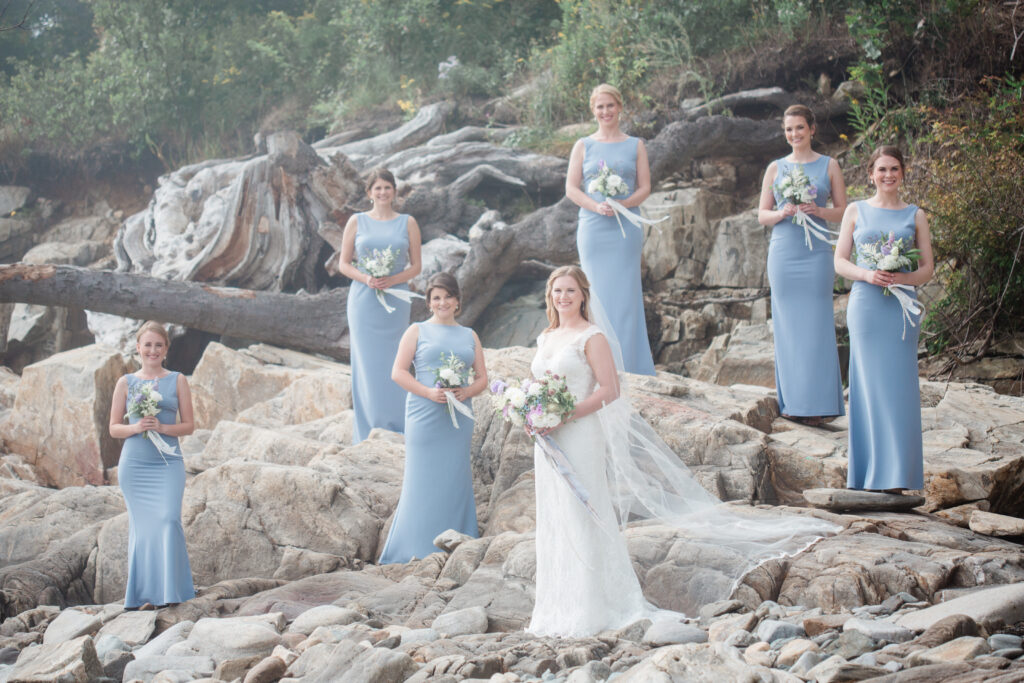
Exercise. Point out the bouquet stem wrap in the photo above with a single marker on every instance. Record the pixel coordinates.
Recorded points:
(403, 294)
(560, 463)
(811, 228)
(633, 218)
(161, 445)
(908, 303)
(455, 404)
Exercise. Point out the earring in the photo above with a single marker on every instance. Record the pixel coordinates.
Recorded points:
(371, 201)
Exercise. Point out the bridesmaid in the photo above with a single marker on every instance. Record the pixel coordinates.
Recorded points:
(885, 397)
(807, 377)
(152, 482)
(437, 489)
(376, 400)
(611, 262)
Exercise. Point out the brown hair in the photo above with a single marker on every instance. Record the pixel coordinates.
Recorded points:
(605, 89)
(153, 326)
(886, 151)
(380, 174)
(448, 283)
(802, 111)
(576, 273)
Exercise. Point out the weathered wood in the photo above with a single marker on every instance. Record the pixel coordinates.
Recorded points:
(309, 322)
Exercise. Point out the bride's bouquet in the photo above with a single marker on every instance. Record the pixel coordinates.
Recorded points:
(379, 263)
(890, 254)
(451, 373)
(608, 183)
(541, 403)
(144, 401)
(796, 188)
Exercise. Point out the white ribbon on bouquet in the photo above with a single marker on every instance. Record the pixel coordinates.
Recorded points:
(455, 404)
(161, 445)
(633, 218)
(403, 294)
(805, 221)
(908, 303)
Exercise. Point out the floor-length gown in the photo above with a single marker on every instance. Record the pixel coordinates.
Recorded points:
(807, 377)
(585, 581)
(376, 400)
(437, 487)
(611, 261)
(153, 484)
(885, 398)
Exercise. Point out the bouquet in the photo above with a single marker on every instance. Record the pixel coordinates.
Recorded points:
(796, 188)
(451, 373)
(380, 263)
(144, 401)
(608, 183)
(890, 254)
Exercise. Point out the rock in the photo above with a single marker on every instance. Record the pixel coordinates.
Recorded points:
(269, 670)
(879, 630)
(717, 609)
(1001, 641)
(231, 440)
(70, 661)
(679, 247)
(13, 198)
(992, 608)
(60, 419)
(807, 661)
(961, 514)
(851, 644)
(693, 662)
(771, 630)
(826, 622)
(311, 397)
(132, 628)
(323, 615)
(71, 624)
(848, 499)
(591, 672)
(992, 524)
(234, 669)
(115, 662)
(451, 539)
(721, 629)
(517, 322)
(72, 254)
(160, 644)
(759, 654)
(147, 668)
(745, 355)
(228, 638)
(958, 650)
(461, 622)
(739, 253)
(673, 633)
(947, 629)
(835, 669)
(792, 651)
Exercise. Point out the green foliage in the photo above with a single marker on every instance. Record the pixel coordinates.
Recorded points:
(973, 189)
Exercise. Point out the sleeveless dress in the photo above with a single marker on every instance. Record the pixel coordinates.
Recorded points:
(437, 487)
(153, 485)
(376, 400)
(807, 377)
(585, 581)
(885, 397)
(612, 264)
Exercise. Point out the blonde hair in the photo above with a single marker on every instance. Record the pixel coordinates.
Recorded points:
(605, 89)
(576, 273)
(153, 326)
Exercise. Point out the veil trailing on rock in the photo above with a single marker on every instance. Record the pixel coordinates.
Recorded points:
(714, 545)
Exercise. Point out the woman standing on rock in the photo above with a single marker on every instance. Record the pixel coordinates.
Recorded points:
(609, 245)
(151, 473)
(885, 451)
(437, 488)
(807, 377)
(378, 312)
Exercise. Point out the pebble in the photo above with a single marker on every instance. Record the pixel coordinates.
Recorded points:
(771, 630)
(807, 661)
(1000, 641)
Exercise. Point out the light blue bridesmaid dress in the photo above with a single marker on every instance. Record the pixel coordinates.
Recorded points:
(374, 333)
(807, 377)
(153, 485)
(437, 488)
(611, 262)
(885, 397)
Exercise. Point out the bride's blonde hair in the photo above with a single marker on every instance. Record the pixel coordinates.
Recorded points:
(577, 274)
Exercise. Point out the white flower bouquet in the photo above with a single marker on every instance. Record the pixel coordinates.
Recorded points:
(608, 183)
(796, 188)
(144, 401)
(890, 254)
(451, 373)
(542, 403)
(380, 263)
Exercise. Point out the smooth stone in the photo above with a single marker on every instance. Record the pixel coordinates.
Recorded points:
(827, 622)
(451, 539)
(961, 649)
(71, 624)
(146, 668)
(852, 644)
(740, 639)
(835, 669)
(792, 651)
(717, 609)
(992, 608)
(1001, 641)
(172, 636)
(879, 630)
(461, 622)
(771, 630)
(759, 654)
(108, 643)
(67, 660)
(114, 664)
(848, 499)
(233, 669)
(323, 615)
(1008, 652)
(866, 659)
(807, 661)
(269, 670)
(9, 655)
(674, 633)
(991, 524)
(947, 629)
(133, 628)
(419, 635)
(591, 672)
(719, 630)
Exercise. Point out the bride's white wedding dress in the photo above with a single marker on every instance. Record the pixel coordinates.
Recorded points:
(585, 582)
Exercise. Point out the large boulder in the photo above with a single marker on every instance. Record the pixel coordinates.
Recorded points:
(60, 419)
(746, 355)
(679, 247)
(740, 253)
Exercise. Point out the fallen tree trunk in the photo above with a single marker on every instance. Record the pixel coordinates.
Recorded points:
(309, 322)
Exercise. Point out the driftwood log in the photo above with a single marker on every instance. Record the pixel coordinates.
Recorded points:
(308, 322)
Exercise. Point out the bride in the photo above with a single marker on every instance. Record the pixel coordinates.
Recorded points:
(585, 581)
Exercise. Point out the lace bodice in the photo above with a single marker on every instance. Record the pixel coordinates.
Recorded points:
(568, 360)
